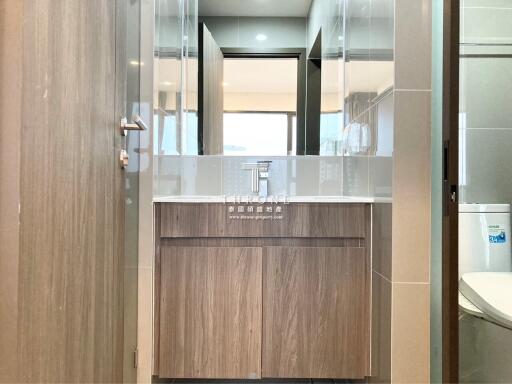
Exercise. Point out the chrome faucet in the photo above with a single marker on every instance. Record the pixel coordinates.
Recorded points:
(259, 176)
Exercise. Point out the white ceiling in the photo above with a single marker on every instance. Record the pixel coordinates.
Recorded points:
(255, 8)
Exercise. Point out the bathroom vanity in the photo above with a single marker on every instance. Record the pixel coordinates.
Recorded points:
(276, 290)
(273, 290)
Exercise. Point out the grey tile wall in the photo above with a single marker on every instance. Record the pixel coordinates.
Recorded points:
(486, 171)
(380, 178)
(486, 21)
(291, 176)
(486, 92)
(315, 177)
(356, 173)
(361, 176)
(485, 100)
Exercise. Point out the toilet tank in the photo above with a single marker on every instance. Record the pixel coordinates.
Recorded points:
(484, 238)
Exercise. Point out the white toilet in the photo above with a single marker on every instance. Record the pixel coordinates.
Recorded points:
(485, 293)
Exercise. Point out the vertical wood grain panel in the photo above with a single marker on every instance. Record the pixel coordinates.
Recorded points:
(11, 25)
(156, 289)
(315, 320)
(70, 280)
(212, 93)
(210, 325)
(305, 220)
(122, 358)
(183, 220)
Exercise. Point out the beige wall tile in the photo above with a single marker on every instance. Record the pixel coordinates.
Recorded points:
(411, 187)
(410, 327)
(412, 138)
(410, 333)
(413, 40)
(411, 239)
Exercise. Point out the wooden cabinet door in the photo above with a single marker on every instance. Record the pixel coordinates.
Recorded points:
(211, 312)
(315, 322)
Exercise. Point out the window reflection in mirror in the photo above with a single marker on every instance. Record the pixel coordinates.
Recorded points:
(244, 77)
(260, 106)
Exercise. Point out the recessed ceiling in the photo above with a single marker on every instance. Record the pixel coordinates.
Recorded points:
(286, 8)
(255, 8)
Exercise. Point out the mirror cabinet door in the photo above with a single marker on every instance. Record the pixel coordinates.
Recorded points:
(241, 78)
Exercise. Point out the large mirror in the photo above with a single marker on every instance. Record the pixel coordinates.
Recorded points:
(268, 78)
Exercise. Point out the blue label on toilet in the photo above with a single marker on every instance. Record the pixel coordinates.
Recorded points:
(498, 239)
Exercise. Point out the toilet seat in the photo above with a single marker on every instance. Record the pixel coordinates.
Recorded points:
(490, 293)
(468, 307)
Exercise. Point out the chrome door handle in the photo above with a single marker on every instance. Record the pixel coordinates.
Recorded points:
(137, 125)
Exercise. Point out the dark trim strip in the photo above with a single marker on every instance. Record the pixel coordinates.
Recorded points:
(450, 258)
(369, 55)
(166, 53)
(200, 91)
(485, 56)
(264, 112)
(268, 53)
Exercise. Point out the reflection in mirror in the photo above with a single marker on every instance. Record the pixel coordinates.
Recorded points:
(369, 74)
(260, 106)
(247, 78)
(252, 79)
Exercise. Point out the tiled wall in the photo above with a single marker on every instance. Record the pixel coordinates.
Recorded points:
(409, 273)
(485, 99)
(292, 176)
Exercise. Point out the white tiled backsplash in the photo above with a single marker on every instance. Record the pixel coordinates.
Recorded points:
(362, 176)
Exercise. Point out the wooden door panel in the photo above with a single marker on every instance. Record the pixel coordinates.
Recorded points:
(315, 318)
(211, 94)
(70, 270)
(210, 312)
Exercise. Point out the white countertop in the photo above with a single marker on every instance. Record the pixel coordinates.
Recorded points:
(280, 199)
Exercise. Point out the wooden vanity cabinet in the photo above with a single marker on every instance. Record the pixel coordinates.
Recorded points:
(315, 313)
(210, 312)
(239, 299)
